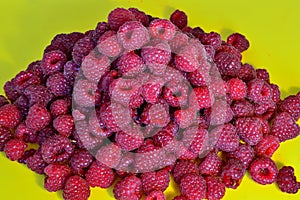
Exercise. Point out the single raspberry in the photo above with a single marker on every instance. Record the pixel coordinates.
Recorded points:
(193, 186)
(24, 133)
(247, 72)
(58, 85)
(130, 64)
(267, 146)
(197, 32)
(70, 71)
(59, 107)
(57, 148)
(263, 170)
(133, 35)
(275, 93)
(228, 139)
(176, 94)
(129, 141)
(155, 195)
(218, 86)
(10, 116)
(263, 74)
(259, 91)
(239, 41)
(215, 188)
(183, 168)
(162, 29)
(53, 61)
(155, 181)
(36, 162)
(14, 149)
(267, 108)
(180, 197)
(64, 124)
(233, 173)
(128, 188)
(81, 49)
(101, 28)
(284, 127)
(242, 108)
(76, 188)
(179, 19)
(219, 113)
(185, 118)
(5, 135)
(212, 38)
(99, 175)
(3, 100)
(28, 153)
(245, 153)
(24, 79)
(151, 92)
(10, 91)
(80, 160)
(249, 129)
(228, 64)
(109, 155)
(56, 176)
(286, 180)
(36, 69)
(199, 77)
(38, 94)
(84, 93)
(118, 17)
(38, 117)
(204, 97)
(291, 105)
(237, 89)
(211, 165)
(229, 49)
(109, 45)
(140, 16)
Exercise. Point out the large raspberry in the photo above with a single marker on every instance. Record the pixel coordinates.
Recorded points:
(118, 17)
(233, 173)
(24, 79)
(10, 116)
(291, 105)
(152, 181)
(215, 188)
(184, 167)
(176, 94)
(109, 45)
(80, 161)
(239, 41)
(81, 49)
(179, 18)
(211, 165)
(58, 85)
(204, 97)
(76, 188)
(53, 61)
(59, 107)
(38, 117)
(237, 89)
(162, 29)
(245, 153)
(259, 91)
(286, 180)
(14, 149)
(129, 188)
(212, 38)
(193, 186)
(263, 170)
(109, 155)
(228, 139)
(228, 64)
(57, 176)
(64, 124)
(249, 129)
(130, 64)
(267, 146)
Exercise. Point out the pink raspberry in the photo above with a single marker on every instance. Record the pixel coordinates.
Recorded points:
(129, 141)
(237, 89)
(99, 175)
(263, 170)
(36, 162)
(259, 91)
(76, 188)
(24, 79)
(286, 180)
(211, 165)
(242, 108)
(178, 41)
(130, 64)
(128, 188)
(64, 124)
(179, 19)
(109, 155)
(185, 118)
(215, 188)
(291, 105)
(239, 41)
(219, 113)
(81, 49)
(183, 168)
(267, 146)
(109, 45)
(228, 139)
(14, 149)
(151, 91)
(275, 93)
(176, 94)
(38, 94)
(162, 29)
(118, 17)
(38, 117)
(59, 107)
(199, 77)
(204, 97)
(249, 129)
(155, 181)
(80, 161)
(10, 116)
(193, 186)
(246, 72)
(56, 177)
(212, 38)
(228, 64)
(5, 135)
(84, 93)
(53, 61)
(245, 153)
(140, 16)
(233, 173)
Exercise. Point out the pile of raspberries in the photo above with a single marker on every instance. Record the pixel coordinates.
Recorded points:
(140, 99)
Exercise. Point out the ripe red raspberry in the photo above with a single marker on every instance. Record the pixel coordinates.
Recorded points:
(14, 149)
(58, 85)
(219, 113)
(179, 19)
(53, 61)
(215, 188)
(57, 148)
(36, 162)
(56, 177)
(228, 64)
(199, 77)
(249, 129)
(10, 116)
(155, 181)
(81, 49)
(118, 17)
(28, 153)
(151, 92)
(133, 35)
(204, 97)
(193, 186)
(99, 175)
(229, 49)
(286, 180)
(109, 45)
(275, 93)
(237, 89)
(233, 173)
(181, 197)
(284, 127)
(176, 94)
(64, 124)
(263, 74)
(76, 188)
(211, 165)
(239, 41)
(109, 155)
(267, 146)
(38, 117)
(140, 16)
(24, 79)
(194, 138)
(80, 160)
(10, 91)
(245, 153)
(242, 108)
(178, 41)
(5, 135)
(185, 118)
(70, 71)
(259, 91)
(212, 38)
(162, 29)
(247, 72)
(38, 94)
(24, 133)
(84, 93)
(36, 69)
(291, 105)
(228, 139)
(59, 107)
(130, 64)
(129, 141)
(128, 188)
(184, 167)
(263, 170)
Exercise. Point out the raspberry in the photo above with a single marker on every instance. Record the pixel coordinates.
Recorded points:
(59, 107)
(53, 61)
(197, 32)
(140, 16)
(275, 93)
(194, 139)
(267, 146)
(109, 45)
(10, 91)
(151, 92)
(242, 108)
(3, 100)
(193, 186)
(233, 173)
(26, 155)
(58, 85)
(291, 105)
(118, 17)
(81, 49)
(286, 180)
(128, 188)
(263, 170)
(129, 141)
(109, 155)
(185, 118)
(259, 91)
(76, 188)
(162, 29)
(178, 41)
(64, 124)
(84, 93)
(228, 64)
(126, 165)
(204, 97)
(130, 64)
(263, 74)
(38, 117)
(176, 94)
(215, 188)
(246, 72)
(5, 135)
(155, 195)
(284, 127)
(38, 94)
(229, 49)
(179, 19)
(155, 181)
(10, 116)
(96, 129)
(237, 89)
(245, 153)
(80, 160)
(211, 165)
(249, 129)
(184, 153)
(219, 113)
(228, 139)
(218, 87)
(24, 79)
(36, 69)
(24, 133)
(22, 104)
(99, 175)
(57, 149)
(101, 28)
(239, 41)
(212, 38)
(183, 168)
(133, 35)
(70, 71)
(14, 149)
(181, 197)
(57, 176)
(36, 162)
(45, 133)
(199, 77)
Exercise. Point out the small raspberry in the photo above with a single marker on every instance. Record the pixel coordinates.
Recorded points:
(263, 170)
(36, 162)
(237, 89)
(129, 188)
(57, 176)
(64, 124)
(291, 105)
(57, 149)
(155, 195)
(233, 173)
(10, 116)
(242, 108)
(211, 165)
(28, 153)
(38, 94)
(38, 117)
(130, 64)
(267, 146)
(229, 49)
(212, 38)
(179, 19)
(249, 129)
(245, 153)
(246, 72)
(59, 107)
(118, 17)
(129, 141)
(151, 91)
(10, 91)
(228, 64)
(58, 85)
(81, 49)
(286, 180)
(239, 41)
(76, 188)
(24, 133)
(140, 16)
(155, 181)
(183, 168)
(5, 135)
(80, 160)
(259, 91)
(215, 188)
(263, 74)
(204, 97)
(14, 149)
(24, 79)
(99, 175)
(162, 29)
(228, 139)
(109, 45)
(193, 186)
(275, 93)
(176, 94)
(53, 61)
(109, 155)
(84, 93)
(70, 71)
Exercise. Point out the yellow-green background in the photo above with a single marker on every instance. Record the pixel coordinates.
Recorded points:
(27, 26)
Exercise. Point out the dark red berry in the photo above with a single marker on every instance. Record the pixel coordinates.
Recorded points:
(76, 188)
(179, 18)
(263, 170)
